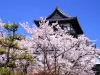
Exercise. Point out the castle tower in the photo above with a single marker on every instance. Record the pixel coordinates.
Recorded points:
(65, 22)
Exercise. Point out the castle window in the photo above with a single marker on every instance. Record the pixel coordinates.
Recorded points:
(68, 27)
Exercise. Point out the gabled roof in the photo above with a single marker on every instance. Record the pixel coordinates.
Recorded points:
(57, 13)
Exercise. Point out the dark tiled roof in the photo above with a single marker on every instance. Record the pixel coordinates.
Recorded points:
(59, 12)
(62, 18)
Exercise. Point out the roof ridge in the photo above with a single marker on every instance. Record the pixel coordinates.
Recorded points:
(62, 12)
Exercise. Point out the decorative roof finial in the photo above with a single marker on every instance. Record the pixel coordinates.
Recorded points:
(57, 6)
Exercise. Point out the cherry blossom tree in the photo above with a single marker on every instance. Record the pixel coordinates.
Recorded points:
(58, 51)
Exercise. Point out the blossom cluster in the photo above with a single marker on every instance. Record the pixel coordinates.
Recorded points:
(73, 55)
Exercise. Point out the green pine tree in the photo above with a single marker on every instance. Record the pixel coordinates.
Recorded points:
(9, 47)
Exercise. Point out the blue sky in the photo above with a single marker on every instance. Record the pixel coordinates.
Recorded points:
(87, 11)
